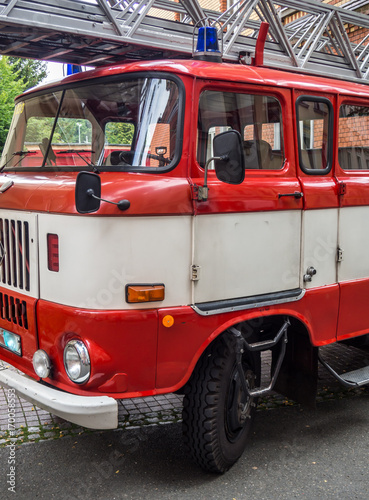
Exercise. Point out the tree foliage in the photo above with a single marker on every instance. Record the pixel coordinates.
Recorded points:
(16, 75)
(119, 133)
(30, 71)
(10, 87)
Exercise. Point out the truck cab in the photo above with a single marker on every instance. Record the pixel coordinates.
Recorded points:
(163, 223)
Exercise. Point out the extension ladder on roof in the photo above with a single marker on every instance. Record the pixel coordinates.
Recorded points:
(95, 32)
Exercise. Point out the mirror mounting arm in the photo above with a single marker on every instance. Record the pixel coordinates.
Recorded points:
(122, 204)
(204, 190)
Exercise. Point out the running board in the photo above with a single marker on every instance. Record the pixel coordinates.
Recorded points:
(355, 378)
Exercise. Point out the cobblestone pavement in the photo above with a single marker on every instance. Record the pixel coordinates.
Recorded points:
(35, 424)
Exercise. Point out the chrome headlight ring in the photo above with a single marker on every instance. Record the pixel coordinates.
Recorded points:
(77, 361)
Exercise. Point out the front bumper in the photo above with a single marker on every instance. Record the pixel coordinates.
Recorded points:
(95, 412)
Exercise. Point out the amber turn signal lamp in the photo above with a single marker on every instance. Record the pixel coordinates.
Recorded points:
(144, 293)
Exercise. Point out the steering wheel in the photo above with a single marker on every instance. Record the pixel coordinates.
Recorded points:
(126, 157)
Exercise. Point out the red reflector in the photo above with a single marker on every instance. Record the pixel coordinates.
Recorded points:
(53, 252)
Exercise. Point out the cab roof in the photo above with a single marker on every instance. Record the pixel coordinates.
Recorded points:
(227, 72)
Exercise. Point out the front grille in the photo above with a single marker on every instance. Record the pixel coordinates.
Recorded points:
(15, 249)
(13, 310)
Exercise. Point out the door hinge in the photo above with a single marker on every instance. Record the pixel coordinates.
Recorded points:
(341, 188)
(339, 254)
(195, 192)
(199, 193)
(195, 273)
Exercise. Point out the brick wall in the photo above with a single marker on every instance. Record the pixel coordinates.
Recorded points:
(160, 138)
(354, 131)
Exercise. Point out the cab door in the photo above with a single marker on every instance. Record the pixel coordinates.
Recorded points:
(246, 246)
(353, 176)
(314, 131)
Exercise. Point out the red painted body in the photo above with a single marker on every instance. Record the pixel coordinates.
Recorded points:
(132, 353)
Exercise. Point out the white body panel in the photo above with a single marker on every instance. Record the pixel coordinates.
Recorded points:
(239, 255)
(319, 246)
(100, 255)
(354, 241)
(242, 255)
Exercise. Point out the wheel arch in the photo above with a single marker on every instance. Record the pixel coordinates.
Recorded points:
(301, 327)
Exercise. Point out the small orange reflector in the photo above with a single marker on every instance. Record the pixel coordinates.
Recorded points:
(144, 293)
(168, 321)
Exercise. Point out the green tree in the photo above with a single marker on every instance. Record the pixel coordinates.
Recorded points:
(30, 71)
(119, 133)
(16, 75)
(10, 87)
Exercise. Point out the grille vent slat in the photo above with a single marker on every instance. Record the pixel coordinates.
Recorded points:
(15, 269)
(13, 310)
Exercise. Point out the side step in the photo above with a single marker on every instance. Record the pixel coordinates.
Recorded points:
(356, 378)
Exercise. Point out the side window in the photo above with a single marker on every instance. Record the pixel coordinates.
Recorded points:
(212, 132)
(257, 118)
(314, 131)
(119, 134)
(118, 138)
(353, 137)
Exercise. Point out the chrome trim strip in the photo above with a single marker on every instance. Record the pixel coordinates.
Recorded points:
(250, 305)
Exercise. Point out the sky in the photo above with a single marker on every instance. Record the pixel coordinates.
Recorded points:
(55, 72)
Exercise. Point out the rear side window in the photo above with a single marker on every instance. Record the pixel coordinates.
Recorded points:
(257, 118)
(353, 137)
(314, 131)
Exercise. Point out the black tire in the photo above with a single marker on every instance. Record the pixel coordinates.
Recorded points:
(214, 431)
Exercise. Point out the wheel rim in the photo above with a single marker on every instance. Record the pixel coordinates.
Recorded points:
(238, 404)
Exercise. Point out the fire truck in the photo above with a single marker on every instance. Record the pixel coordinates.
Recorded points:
(167, 219)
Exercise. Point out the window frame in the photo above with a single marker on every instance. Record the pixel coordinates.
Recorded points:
(346, 101)
(324, 100)
(229, 88)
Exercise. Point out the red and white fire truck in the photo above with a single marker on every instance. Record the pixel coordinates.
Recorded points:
(208, 212)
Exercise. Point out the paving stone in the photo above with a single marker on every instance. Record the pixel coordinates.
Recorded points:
(33, 436)
(33, 429)
(49, 434)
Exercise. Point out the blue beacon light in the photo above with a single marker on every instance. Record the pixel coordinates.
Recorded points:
(73, 68)
(207, 48)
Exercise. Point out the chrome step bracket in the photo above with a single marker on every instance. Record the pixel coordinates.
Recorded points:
(259, 347)
(355, 378)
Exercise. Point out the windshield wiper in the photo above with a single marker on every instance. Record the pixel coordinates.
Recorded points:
(22, 154)
(77, 152)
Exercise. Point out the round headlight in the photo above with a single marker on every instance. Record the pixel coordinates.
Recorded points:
(77, 361)
(41, 363)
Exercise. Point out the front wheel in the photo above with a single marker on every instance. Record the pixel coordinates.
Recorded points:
(217, 414)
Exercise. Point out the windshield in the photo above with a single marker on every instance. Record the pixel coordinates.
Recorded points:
(126, 125)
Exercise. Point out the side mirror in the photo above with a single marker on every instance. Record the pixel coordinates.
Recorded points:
(88, 192)
(229, 160)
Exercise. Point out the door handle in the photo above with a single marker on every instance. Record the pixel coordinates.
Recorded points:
(296, 194)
